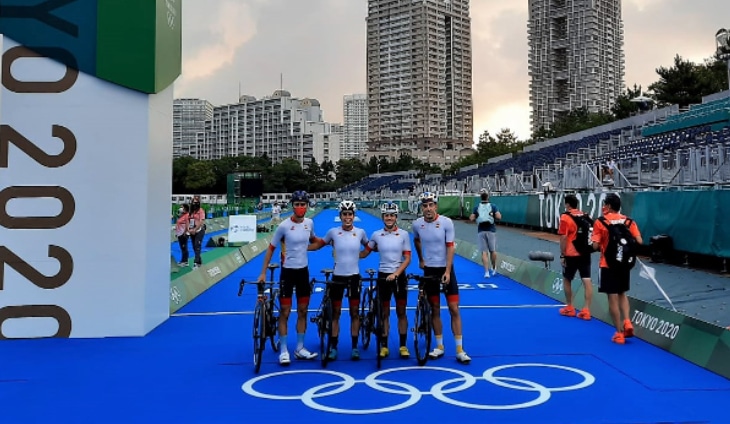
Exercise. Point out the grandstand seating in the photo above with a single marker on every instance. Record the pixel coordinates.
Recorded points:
(663, 149)
(715, 114)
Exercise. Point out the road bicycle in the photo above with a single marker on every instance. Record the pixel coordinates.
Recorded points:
(423, 322)
(265, 316)
(371, 313)
(323, 318)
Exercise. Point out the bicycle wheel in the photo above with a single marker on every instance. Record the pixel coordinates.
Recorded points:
(325, 332)
(378, 326)
(365, 322)
(259, 335)
(422, 331)
(273, 321)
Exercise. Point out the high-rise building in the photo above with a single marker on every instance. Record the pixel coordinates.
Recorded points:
(575, 57)
(188, 125)
(355, 135)
(419, 74)
(278, 126)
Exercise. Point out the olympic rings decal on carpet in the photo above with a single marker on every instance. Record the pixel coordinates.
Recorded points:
(310, 397)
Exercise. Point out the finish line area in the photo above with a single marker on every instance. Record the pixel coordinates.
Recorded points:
(529, 365)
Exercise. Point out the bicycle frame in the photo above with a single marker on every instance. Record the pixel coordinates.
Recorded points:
(371, 314)
(266, 314)
(323, 319)
(423, 320)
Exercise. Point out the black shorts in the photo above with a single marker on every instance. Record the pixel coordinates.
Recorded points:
(337, 291)
(614, 282)
(433, 287)
(386, 288)
(295, 278)
(581, 264)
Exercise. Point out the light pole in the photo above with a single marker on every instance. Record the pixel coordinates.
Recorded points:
(722, 38)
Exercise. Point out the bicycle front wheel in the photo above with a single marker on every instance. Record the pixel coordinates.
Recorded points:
(259, 335)
(422, 331)
(325, 332)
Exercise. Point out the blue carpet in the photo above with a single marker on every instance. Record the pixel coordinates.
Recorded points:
(529, 365)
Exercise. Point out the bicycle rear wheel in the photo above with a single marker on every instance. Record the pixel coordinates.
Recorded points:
(378, 326)
(422, 331)
(273, 321)
(325, 332)
(365, 318)
(259, 335)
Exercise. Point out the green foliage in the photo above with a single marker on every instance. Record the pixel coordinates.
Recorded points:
(685, 82)
(200, 175)
(490, 146)
(624, 107)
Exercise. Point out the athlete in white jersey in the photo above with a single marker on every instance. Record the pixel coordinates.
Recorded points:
(433, 236)
(347, 241)
(394, 247)
(294, 236)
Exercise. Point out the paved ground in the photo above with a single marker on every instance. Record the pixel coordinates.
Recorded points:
(697, 293)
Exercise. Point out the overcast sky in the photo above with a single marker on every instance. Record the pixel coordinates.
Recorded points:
(319, 47)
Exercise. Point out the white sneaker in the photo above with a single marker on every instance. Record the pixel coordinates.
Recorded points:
(182, 264)
(487, 274)
(436, 353)
(492, 272)
(284, 358)
(196, 266)
(463, 358)
(303, 353)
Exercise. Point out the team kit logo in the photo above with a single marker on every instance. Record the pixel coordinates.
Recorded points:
(398, 384)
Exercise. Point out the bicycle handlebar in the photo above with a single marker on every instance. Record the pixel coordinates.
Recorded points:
(336, 283)
(243, 282)
(423, 278)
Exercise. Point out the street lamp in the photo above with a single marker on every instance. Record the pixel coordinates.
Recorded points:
(722, 38)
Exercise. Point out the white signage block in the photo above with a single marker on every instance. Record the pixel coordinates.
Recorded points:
(241, 228)
(85, 187)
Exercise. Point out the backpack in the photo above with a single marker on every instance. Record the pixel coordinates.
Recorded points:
(582, 242)
(485, 213)
(621, 250)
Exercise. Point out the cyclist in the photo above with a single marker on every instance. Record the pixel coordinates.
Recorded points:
(346, 241)
(294, 236)
(394, 246)
(433, 237)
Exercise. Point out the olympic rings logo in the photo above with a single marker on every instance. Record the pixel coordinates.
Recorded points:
(440, 390)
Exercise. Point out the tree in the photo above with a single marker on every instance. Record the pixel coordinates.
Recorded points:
(681, 84)
(200, 177)
(506, 138)
(180, 172)
(578, 120)
(624, 107)
(350, 170)
(328, 171)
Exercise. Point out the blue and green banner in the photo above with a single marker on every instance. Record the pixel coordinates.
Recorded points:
(133, 43)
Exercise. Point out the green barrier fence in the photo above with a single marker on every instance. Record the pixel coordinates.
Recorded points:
(694, 219)
(225, 260)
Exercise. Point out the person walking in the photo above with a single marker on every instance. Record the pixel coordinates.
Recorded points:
(485, 214)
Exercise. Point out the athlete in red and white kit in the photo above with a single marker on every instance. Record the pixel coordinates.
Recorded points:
(433, 237)
(294, 236)
(347, 242)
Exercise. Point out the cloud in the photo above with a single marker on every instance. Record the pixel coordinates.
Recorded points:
(225, 27)
(319, 47)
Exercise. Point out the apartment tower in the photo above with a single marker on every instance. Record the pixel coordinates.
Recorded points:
(355, 127)
(575, 57)
(419, 74)
(188, 125)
